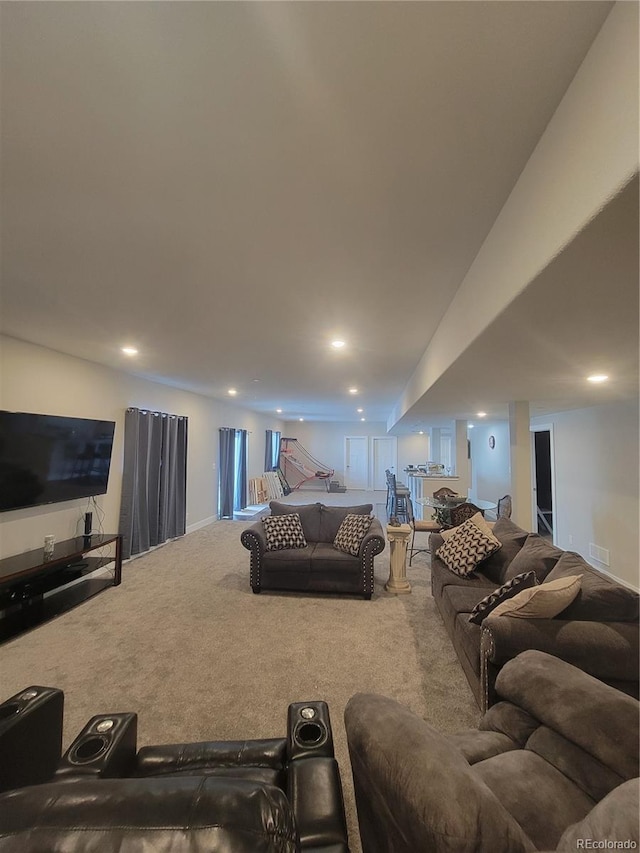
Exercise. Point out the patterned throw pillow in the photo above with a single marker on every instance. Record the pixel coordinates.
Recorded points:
(351, 533)
(284, 531)
(507, 590)
(467, 548)
(478, 520)
(544, 601)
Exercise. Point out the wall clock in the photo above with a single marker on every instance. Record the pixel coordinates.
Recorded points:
(492, 441)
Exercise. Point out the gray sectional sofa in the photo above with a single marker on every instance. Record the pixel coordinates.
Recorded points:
(320, 566)
(553, 763)
(598, 632)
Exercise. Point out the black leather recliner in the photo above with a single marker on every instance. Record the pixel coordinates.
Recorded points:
(105, 795)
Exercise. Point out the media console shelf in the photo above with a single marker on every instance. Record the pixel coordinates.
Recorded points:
(34, 589)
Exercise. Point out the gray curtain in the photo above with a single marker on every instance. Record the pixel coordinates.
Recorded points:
(154, 480)
(226, 469)
(268, 450)
(240, 491)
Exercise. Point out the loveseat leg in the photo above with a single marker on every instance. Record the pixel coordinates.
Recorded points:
(256, 590)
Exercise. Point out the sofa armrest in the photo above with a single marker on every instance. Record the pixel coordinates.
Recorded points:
(374, 541)
(254, 537)
(255, 540)
(410, 781)
(606, 650)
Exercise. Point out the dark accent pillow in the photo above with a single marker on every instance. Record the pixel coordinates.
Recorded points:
(536, 555)
(601, 598)
(351, 533)
(467, 548)
(283, 532)
(512, 538)
(507, 590)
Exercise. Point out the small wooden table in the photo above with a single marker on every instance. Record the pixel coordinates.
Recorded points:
(398, 541)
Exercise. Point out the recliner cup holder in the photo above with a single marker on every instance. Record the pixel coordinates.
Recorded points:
(90, 749)
(310, 734)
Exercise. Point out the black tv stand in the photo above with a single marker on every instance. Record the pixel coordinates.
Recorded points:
(34, 589)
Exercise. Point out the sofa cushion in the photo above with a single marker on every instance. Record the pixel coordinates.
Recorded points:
(510, 720)
(327, 558)
(536, 555)
(541, 602)
(458, 599)
(539, 797)
(594, 777)
(615, 818)
(477, 746)
(468, 639)
(442, 577)
(309, 517)
(351, 532)
(283, 532)
(331, 517)
(467, 548)
(600, 599)
(512, 538)
(508, 590)
(289, 560)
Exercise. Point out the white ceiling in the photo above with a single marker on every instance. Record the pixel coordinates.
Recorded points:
(230, 186)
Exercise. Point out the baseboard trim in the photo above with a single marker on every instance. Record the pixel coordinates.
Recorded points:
(191, 528)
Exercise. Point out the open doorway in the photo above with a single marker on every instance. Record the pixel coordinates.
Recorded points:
(543, 481)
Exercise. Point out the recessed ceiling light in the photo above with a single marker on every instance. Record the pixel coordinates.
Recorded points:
(481, 414)
(232, 392)
(359, 411)
(469, 426)
(597, 377)
(353, 390)
(279, 411)
(362, 419)
(337, 344)
(301, 419)
(421, 432)
(129, 350)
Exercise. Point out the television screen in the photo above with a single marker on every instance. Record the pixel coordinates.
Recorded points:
(46, 459)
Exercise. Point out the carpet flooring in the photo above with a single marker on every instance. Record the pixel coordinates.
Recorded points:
(185, 643)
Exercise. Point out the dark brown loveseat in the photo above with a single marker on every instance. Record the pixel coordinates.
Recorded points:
(598, 632)
(320, 566)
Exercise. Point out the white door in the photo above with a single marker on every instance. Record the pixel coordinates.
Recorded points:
(356, 462)
(385, 456)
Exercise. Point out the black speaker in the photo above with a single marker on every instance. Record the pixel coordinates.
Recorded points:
(30, 736)
(309, 730)
(88, 523)
(106, 748)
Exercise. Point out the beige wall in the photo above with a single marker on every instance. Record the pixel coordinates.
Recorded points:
(595, 463)
(585, 157)
(596, 484)
(35, 379)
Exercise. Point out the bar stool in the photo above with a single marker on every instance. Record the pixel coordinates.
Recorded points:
(397, 498)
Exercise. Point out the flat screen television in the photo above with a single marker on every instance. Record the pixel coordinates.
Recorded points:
(46, 459)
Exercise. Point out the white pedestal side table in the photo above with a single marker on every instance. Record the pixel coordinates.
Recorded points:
(398, 541)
